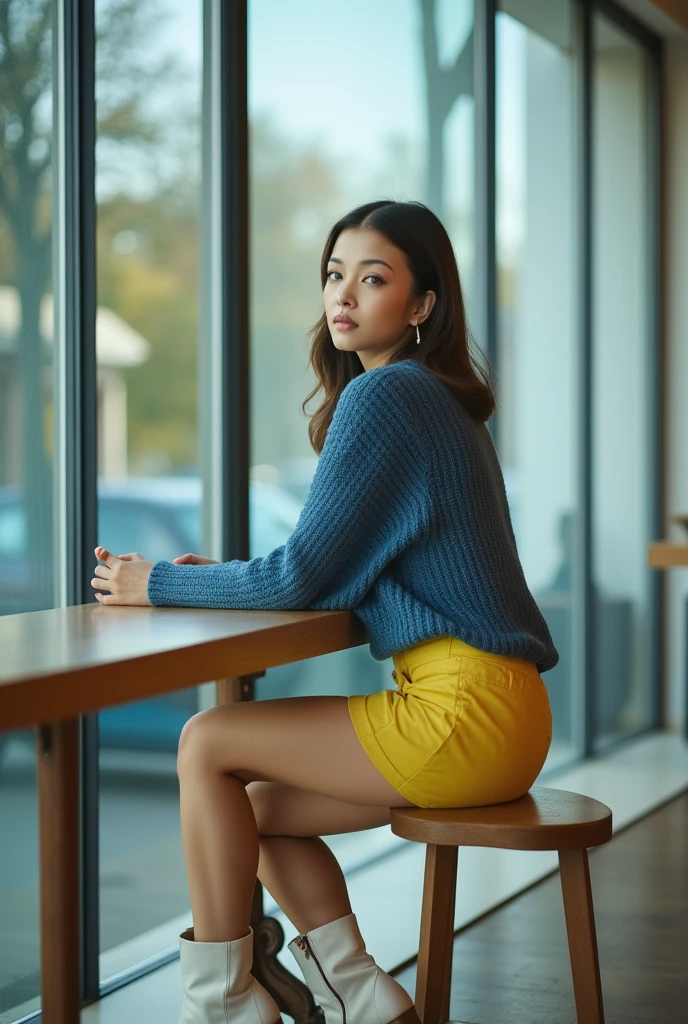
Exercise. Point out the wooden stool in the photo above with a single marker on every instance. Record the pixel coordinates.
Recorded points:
(544, 819)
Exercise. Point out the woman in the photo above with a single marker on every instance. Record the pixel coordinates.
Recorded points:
(406, 523)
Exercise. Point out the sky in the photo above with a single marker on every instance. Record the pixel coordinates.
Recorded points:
(348, 78)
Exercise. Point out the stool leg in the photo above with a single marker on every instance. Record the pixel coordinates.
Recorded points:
(580, 926)
(433, 979)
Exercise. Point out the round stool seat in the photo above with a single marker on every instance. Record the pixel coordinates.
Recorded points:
(543, 819)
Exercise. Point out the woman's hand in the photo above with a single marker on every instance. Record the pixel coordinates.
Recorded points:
(125, 577)
(194, 560)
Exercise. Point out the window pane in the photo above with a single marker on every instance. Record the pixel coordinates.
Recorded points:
(335, 122)
(537, 424)
(19, 891)
(623, 348)
(148, 68)
(26, 450)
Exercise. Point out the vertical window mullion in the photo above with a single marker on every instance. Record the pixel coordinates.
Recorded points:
(236, 227)
(75, 400)
(224, 348)
(485, 183)
(584, 622)
(657, 357)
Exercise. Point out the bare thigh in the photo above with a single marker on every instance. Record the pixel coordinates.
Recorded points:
(283, 810)
(306, 743)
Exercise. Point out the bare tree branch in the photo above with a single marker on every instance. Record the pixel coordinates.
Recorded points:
(4, 22)
(461, 73)
(443, 86)
(427, 9)
(5, 205)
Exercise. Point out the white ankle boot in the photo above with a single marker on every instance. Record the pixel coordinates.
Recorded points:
(218, 988)
(346, 981)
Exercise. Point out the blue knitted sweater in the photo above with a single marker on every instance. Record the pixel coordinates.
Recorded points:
(406, 524)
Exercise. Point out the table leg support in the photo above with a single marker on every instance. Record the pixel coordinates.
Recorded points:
(58, 801)
(289, 992)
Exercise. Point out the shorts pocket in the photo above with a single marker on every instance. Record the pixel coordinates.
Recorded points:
(525, 683)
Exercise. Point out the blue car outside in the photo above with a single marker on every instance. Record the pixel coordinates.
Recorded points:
(161, 519)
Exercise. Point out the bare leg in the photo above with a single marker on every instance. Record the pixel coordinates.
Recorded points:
(218, 828)
(307, 743)
(304, 878)
(295, 866)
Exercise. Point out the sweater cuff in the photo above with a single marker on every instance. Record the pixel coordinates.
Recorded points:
(166, 584)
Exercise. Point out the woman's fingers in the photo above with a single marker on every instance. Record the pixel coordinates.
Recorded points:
(191, 559)
(104, 555)
(127, 584)
(131, 556)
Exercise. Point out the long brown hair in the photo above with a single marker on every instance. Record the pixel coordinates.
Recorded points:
(447, 347)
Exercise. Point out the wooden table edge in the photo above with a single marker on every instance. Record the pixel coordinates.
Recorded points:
(43, 699)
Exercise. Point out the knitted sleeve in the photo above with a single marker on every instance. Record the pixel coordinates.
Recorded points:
(368, 501)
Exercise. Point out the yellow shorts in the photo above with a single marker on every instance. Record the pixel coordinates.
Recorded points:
(464, 727)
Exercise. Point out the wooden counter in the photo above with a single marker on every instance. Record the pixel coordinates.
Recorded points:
(57, 665)
(665, 554)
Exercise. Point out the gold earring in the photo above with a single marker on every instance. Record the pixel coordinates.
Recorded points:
(417, 335)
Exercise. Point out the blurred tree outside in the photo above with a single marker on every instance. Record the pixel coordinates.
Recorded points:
(147, 272)
(443, 87)
(295, 198)
(127, 71)
(25, 159)
(147, 232)
(297, 194)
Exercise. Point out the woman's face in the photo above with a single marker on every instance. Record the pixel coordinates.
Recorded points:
(369, 282)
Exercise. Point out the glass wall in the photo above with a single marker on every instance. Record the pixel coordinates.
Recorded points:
(26, 450)
(624, 347)
(331, 127)
(335, 120)
(536, 66)
(148, 90)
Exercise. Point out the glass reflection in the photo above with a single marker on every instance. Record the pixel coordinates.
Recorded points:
(621, 410)
(537, 307)
(397, 121)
